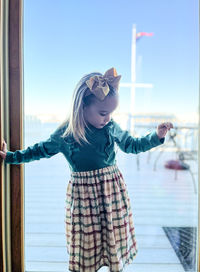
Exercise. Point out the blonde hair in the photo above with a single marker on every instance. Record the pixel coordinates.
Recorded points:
(75, 121)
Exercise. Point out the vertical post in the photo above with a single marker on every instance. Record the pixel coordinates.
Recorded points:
(5, 264)
(1, 168)
(16, 113)
(133, 77)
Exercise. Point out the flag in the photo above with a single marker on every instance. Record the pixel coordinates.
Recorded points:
(140, 34)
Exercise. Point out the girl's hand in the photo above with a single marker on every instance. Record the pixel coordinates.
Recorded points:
(163, 128)
(4, 150)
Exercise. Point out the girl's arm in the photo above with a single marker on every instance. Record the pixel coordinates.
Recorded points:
(43, 149)
(130, 144)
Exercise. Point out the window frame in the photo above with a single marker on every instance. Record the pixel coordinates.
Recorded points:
(11, 98)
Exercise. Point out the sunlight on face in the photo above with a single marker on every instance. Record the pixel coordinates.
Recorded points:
(98, 114)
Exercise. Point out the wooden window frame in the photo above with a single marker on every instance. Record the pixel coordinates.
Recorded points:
(11, 114)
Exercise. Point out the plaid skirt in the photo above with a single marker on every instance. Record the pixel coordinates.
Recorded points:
(99, 225)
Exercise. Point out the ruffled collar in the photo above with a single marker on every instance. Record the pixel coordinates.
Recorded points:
(70, 139)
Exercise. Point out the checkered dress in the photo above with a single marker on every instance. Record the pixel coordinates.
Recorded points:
(99, 224)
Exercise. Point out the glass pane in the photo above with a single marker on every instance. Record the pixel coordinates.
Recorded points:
(154, 46)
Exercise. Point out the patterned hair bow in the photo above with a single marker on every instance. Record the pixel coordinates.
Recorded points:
(99, 85)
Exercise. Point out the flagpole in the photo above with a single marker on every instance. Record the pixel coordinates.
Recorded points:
(133, 77)
(133, 85)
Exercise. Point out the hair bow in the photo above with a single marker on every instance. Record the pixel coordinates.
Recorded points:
(99, 85)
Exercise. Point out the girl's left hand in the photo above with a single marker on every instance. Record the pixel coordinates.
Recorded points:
(163, 128)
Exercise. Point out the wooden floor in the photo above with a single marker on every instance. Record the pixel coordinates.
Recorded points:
(157, 200)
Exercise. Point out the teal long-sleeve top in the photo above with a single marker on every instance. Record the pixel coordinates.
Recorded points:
(101, 153)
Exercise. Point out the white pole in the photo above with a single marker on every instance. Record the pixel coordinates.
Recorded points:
(133, 76)
(133, 85)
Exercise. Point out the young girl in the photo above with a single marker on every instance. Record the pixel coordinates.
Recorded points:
(99, 223)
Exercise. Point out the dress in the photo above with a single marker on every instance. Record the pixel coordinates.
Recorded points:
(99, 223)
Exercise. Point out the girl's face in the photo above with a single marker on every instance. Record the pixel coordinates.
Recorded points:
(98, 114)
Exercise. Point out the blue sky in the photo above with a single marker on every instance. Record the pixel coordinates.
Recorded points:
(63, 40)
